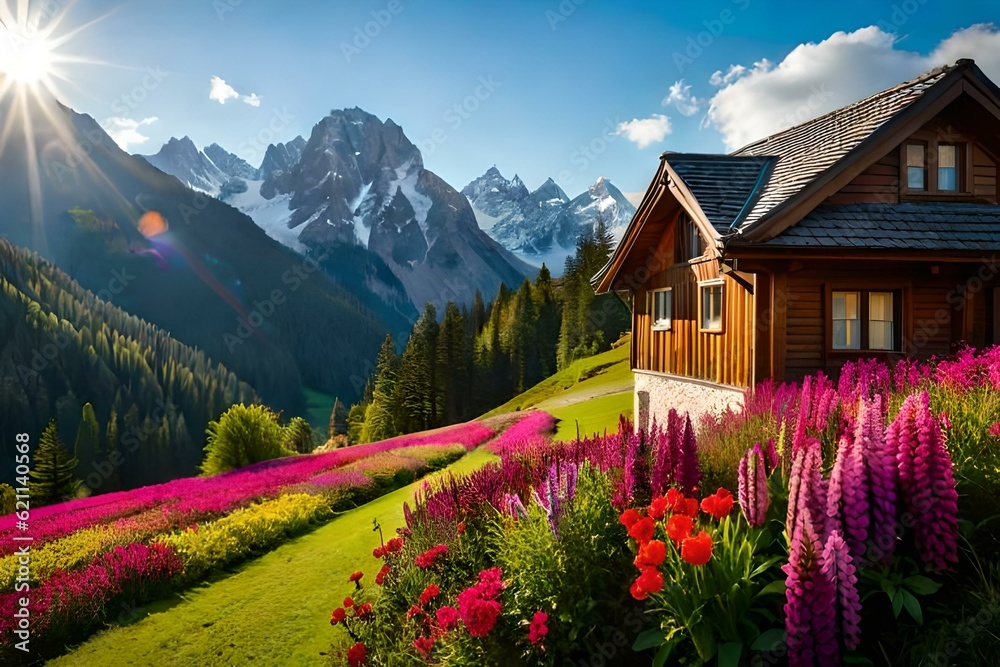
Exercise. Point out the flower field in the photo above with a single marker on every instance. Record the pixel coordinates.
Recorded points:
(826, 522)
(90, 556)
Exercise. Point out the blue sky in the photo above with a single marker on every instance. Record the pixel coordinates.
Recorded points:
(542, 88)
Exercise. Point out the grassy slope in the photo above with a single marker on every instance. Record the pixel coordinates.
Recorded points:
(592, 391)
(272, 610)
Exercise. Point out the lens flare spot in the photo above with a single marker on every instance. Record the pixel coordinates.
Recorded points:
(152, 224)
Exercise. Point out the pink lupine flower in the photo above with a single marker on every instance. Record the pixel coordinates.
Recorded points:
(994, 429)
(838, 567)
(847, 501)
(689, 475)
(927, 482)
(810, 602)
(753, 494)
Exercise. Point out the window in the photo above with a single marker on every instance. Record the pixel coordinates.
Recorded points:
(934, 168)
(916, 167)
(710, 306)
(948, 167)
(661, 308)
(689, 244)
(865, 320)
(846, 321)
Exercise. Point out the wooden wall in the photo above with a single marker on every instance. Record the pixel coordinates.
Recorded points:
(934, 313)
(726, 357)
(879, 183)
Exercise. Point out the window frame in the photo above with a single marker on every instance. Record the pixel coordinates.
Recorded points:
(900, 295)
(963, 169)
(689, 245)
(702, 286)
(655, 324)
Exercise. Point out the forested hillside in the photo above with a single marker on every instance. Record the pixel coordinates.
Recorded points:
(468, 361)
(62, 347)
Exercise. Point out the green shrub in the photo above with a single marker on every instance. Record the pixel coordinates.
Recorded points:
(243, 435)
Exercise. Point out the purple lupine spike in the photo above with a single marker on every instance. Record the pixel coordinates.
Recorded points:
(690, 472)
(408, 515)
(512, 505)
(930, 495)
(802, 418)
(663, 455)
(810, 602)
(771, 456)
(753, 493)
(633, 463)
(847, 500)
(878, 449)
(838, 567)
(572, 474)
(807, 491)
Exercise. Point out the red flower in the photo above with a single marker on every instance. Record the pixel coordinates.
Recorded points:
(427, 559)
(348, 601)
(461, 527)
(697, 550)
(651, 580)
(393, 546)
(629, 517)
(424, 646)
(539, 627)
(337, 616)
(658, 507)
(477, 605)
(378, 552)
(356, 577)
(413, 611)
(364, 612)
(679, 527)
(447, 617)
(429, 593)
(642, 531)
(380, 577)
(637, 592)
(719, 504)
(357, 655)
(651, 554)
(679, 504)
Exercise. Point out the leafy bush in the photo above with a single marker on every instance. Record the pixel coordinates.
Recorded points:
(242, 436)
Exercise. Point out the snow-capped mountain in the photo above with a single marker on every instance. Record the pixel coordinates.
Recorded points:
(544, 225)
(181, 158)
(359, 182)
(232, 165)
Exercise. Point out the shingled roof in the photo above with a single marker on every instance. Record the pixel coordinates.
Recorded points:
(726, 187)
(805, 151)
(909, 225)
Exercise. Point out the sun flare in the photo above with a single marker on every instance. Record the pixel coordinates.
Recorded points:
(28, 61)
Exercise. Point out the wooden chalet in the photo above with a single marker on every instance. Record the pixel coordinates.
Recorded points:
(871, 231)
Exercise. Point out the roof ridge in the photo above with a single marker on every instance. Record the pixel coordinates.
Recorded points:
(921, 78)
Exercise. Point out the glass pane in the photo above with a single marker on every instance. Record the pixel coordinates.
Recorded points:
(915, 178)
(947, 179)
(947, 156)
(711, 307)
(880, 335)
(880, 306)
(915, 155)
(845, 305)
(847, 334)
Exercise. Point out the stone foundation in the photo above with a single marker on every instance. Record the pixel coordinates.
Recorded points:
(656, 393)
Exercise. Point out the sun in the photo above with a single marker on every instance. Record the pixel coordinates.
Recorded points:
(29, 61)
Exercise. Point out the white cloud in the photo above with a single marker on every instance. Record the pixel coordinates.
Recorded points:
(681, 98)
(253, 99)
(645, 131)
(732, 74)
(221, 91)
(125, 131)
(815, 78)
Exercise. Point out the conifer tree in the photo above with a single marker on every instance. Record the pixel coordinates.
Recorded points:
(338, 419)
(53, 474)
(87, 446)
(380, 418)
